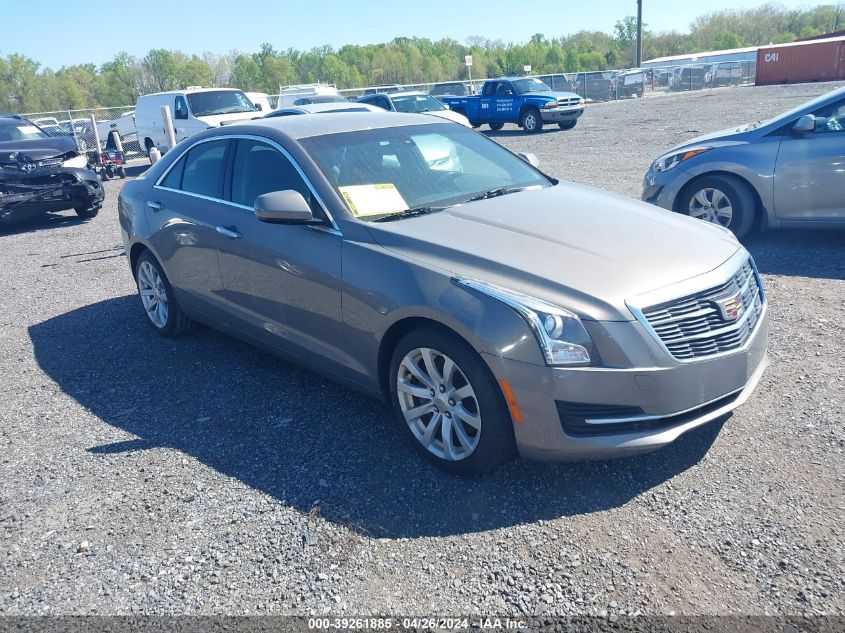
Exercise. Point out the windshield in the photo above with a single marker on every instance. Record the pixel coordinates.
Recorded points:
(23, 131)
(219, 102)
(416, 103)
(807, 105)
(530, 84)
(386, 171)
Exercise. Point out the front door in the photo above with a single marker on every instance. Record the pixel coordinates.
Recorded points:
(282, 281)
(810, 170)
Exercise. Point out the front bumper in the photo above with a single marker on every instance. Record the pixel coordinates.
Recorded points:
(561, 115)
(662, 188)
(640, 410)
(23, 198)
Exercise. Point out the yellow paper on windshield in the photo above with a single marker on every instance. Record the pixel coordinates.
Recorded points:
(380, 199)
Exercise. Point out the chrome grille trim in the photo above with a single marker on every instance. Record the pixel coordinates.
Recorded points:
(687, 323)
(569, 101)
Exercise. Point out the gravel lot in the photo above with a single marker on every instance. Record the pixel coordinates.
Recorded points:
(144, 475)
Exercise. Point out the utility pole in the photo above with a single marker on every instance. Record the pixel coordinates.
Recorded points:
(639, 33)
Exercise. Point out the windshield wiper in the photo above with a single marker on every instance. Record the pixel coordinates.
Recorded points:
(495, 193)
(408, 213)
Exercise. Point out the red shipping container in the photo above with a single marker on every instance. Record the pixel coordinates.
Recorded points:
(801, 61)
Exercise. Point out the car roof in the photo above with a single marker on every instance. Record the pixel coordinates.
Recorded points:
(400, 93)
(12, 120)
(299, 127)
(187, 91)
(334, 106)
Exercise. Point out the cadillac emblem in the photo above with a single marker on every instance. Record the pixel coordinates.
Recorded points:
(731, 308)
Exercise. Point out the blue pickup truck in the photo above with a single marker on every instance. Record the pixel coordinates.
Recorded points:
(526, 101)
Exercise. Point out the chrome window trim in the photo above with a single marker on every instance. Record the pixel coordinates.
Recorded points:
(249, 137)
(708, 280)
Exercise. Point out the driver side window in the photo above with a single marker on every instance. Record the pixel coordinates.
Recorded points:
(831, 118)
(180, 109)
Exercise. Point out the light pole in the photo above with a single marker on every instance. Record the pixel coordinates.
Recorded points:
(639, 33)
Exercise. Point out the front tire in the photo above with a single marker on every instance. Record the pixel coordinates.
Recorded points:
(447, 399)
(157, 298)
(87, 212)
(722, 200)
(531, 121)
(567, 125)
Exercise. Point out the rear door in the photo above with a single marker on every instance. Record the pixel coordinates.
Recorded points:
(183, 210)
(282, 281)
(810, 173)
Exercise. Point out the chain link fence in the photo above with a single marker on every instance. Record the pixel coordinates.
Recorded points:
(594, 86)
(79, 125)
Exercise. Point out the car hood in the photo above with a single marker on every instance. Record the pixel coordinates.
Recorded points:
(36, 149)
(571, 245)
(555, 95)
(449, 115)
(722, 137)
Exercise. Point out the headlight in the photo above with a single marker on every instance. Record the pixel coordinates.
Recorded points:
(550, 105)
(79, 162)
(560, 334)
(670, 161)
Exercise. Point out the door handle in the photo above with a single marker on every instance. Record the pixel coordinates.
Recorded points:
(155, 205)
(229, 231)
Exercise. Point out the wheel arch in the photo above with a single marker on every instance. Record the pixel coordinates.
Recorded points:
(394, 334)
(761, 212)
(136, 250)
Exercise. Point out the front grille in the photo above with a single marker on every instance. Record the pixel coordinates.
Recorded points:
(712, 321)
(566, 102)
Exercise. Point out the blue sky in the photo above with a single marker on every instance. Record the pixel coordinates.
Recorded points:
(61, 33)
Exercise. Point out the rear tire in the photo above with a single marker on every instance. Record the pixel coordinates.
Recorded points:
(121, 172)
(496, 126)
(157, 298)
(723, 200)
(531, 121)
(464, 419)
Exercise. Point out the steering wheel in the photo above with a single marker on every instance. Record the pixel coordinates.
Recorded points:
(834, 125)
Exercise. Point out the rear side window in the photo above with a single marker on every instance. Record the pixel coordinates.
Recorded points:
(204, 169)
(174, 176)
(259, 169)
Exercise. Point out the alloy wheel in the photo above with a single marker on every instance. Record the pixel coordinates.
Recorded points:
(712, 205)
(153, 294)
(438, 404)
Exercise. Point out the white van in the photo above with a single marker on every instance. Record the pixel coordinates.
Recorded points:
(289, 95)
(261, 101)
(192, 110)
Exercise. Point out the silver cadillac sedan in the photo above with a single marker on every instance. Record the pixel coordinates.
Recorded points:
(497, 309)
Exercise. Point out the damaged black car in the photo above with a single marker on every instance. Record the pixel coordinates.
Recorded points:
(41, 174)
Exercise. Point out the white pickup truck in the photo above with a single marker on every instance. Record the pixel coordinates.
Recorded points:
(125, 126)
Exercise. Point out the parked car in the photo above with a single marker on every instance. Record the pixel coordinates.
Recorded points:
(291, 95)
(453, 88)
(40, 174)
(192, 110)
(261, 101)
(385, 88)
(495, 308)
(321, 99)
(629, 83)
(784, 172)
(689, 78)
(526, 101)
(414, 102)
(661, 77)
(45, 120)
(322, 108)
(597, 86)
(124, 125)
(724, 74)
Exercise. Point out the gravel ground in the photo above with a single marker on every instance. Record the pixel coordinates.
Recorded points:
(144, 475)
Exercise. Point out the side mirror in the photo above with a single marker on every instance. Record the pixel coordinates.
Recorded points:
(286, 207)
(530, 158)
(258, 107)
(806, 123)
